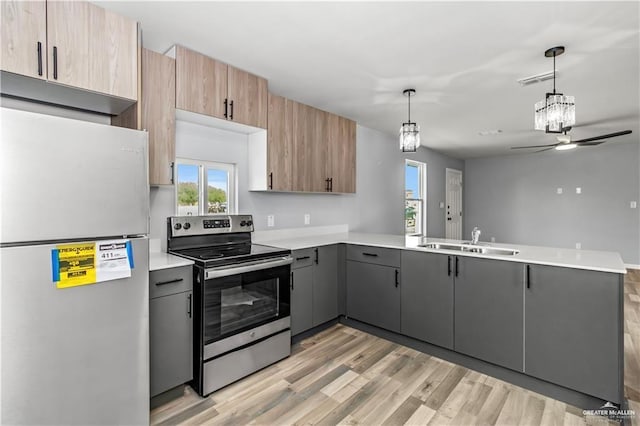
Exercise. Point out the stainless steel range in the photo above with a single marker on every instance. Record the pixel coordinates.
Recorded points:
(241, 297)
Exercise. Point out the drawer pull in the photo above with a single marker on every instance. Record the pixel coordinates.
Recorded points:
(177, 280)
(303, 258)
(364, 253)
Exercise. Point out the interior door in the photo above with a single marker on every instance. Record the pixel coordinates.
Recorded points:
(453, 225)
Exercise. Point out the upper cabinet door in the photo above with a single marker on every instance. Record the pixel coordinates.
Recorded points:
(158, 114)
(24, 38)
(68, 35)
(247, 98)
(304, 123)
(279, 143)
(341, 157)
(113, 53)
(92, 48)
(201, 84)
(318, 151)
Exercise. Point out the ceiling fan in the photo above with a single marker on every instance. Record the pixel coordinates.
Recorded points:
(565, 142)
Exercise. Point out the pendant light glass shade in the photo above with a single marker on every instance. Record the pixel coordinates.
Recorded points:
(409, 137)
(410, 131)
(555, 113)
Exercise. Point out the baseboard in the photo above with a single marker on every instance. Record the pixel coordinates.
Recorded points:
(631, 266)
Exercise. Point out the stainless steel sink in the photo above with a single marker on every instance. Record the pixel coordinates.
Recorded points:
(483, 249)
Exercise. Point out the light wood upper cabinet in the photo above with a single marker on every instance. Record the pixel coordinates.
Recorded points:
(341, 164)
(318, 144)
(279, 143)
(201, 84)
(159, 115)
(247, 97)
(213, 88)
(89, 52)
(24, 38)
(304, 123)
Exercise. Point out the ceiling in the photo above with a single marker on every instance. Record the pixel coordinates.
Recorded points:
(463, 59)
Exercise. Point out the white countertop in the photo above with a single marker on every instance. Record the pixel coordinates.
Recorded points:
(603, 261)
(160, 260)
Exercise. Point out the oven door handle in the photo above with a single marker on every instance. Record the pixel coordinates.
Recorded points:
(247, 267)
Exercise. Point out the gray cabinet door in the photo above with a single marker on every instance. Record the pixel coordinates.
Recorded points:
(325, 284)
(489, 310)
(574, 319)
(427, 297)
(170, 339)
(373, 294)
(301, 299)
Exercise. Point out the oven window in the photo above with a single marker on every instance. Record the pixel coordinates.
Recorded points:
(241, 302)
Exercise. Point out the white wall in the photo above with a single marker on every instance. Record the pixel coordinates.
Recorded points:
(377, 205)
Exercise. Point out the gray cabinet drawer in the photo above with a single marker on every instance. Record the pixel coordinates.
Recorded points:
(376, 255)
(170, 281)
(302, 258)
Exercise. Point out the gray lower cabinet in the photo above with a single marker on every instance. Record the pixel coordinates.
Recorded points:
(301, 299)
(573, 329)
(489, 310)
(325, 284)
(427, 297)
(170, 328)
(373, 294)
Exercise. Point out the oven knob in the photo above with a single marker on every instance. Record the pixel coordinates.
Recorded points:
(249, 223)
(177, 226)
(187, 225)
(243, 223)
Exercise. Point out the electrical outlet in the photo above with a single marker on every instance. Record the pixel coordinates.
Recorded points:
(559, 191)
(578, 246)
(442, 204)
(493, 239)
(271, 221)
(307, 218)
(578, 190)
(633, 204)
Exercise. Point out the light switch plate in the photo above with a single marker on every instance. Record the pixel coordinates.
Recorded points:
(442, 204)
(633, 204)
(578, 190)
(307, 219)
(271, 221)
(559, 191)
(578, 246)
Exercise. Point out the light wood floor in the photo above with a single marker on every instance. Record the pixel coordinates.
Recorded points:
(345, 376)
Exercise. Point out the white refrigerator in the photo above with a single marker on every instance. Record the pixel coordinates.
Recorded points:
(76, 354)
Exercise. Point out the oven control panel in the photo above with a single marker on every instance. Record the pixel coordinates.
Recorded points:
(182, 226)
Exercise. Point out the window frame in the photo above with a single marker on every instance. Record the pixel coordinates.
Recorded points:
(421, 222)
(203, 184)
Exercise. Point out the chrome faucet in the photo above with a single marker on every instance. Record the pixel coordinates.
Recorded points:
(475, 235)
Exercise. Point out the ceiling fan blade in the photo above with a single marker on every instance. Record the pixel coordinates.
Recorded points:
(542, 150)
(610, 135)
(534, 146)
(594, 143)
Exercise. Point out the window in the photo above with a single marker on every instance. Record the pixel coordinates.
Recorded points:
(204, 187)
(415, 196)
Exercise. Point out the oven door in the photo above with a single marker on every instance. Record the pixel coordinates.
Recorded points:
(240, 298)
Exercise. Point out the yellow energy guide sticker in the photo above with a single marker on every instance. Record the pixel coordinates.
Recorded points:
(74, 264)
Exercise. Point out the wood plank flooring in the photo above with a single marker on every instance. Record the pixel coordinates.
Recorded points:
(345, 376)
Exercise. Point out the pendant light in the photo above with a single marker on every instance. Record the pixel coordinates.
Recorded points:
(410, 131)
(556, 113)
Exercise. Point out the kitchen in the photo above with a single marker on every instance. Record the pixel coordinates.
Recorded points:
(580, 201)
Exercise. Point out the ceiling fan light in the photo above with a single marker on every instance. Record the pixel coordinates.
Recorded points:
(409, 137)
(566, 146)
(555, 113)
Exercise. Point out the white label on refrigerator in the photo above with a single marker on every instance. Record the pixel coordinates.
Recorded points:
(114, 260)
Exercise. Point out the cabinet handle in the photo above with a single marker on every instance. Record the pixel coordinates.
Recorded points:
(326, 184)
(55, 62)
(177, 280)
(226, 107)
(303, 258)
(397, 281)
(271, 180)
(291, 280)
(189, 305)
(171, 165)
(364, 253)
(330, 184)
(317, 256)
(449, 266)
(457, 265)
(528, 276)
(39, 58)
(231, 113)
